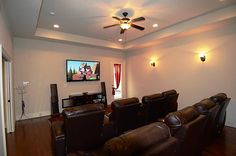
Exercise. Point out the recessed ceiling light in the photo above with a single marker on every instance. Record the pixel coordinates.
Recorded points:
(155, 25)
(56, 26)
(52, 13)
(120, 40)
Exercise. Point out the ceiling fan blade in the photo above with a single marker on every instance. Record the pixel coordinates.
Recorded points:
(137, 26)
(117, 18)
(122, 31)
(111, 26)
(138, 19)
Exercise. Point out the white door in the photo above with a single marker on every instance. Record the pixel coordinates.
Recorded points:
(8, 99)
(3, 151)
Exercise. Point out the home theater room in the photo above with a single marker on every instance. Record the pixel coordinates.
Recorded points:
(118, 78)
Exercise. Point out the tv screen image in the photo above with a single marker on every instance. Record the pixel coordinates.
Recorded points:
(82, 70)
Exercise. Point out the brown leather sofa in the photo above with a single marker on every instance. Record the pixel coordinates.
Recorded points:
(222, 100)
(187, 126)
(154, 107)
(83, 127)
(210, 109)
(126, 114)
(172, 97)
(150, 140)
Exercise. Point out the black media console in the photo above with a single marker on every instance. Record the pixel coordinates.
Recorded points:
(85, 98)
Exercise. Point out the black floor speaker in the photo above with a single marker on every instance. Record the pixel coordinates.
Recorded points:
(104, 93)
(54, 99)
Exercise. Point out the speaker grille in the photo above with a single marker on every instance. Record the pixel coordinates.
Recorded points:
(54, 99)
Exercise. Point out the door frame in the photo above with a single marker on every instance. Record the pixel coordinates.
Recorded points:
(2, 120)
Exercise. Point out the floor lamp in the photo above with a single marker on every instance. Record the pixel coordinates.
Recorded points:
(21, 91)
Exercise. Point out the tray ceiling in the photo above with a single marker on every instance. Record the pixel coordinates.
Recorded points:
(84, 20)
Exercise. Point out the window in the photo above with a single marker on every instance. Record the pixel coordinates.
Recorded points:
(117, 81)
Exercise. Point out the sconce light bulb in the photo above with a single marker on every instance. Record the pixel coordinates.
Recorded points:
(153, 63)
(203, 57)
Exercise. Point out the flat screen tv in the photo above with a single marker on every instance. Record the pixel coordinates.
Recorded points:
(82, 70)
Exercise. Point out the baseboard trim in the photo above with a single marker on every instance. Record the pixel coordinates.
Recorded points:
(229, 124)
(32, 115)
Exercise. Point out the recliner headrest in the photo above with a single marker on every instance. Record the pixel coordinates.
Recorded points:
(200, 107)
(75, 111)
(218, 98)
(169, 92)
(175, 120)
(152, 97)
(204, 106)
(123, 102)
(208, 103)
(137, 140)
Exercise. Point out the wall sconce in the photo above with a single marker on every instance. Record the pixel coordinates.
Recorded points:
(202, 57)
(153, 63)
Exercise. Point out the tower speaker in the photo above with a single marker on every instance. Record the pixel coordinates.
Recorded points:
(54, 99)
(104, 93)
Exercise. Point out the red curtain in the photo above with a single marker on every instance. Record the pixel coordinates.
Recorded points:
(117, 68)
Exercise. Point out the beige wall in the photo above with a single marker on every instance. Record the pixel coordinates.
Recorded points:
(42, 63)
(180, 68)
(5, 34)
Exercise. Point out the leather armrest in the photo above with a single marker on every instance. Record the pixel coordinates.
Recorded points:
(106, 120)
(58, 138)
(161, 120)
(108, 129)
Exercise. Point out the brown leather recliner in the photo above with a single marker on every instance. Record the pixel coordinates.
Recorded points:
(187, 126)
(152, 139)
(125, 114)
(223, 101)
(210, 109)
(155, 107)
(83, 127)
(172, 97)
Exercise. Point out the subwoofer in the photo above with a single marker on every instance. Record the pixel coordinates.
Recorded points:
(54, 99)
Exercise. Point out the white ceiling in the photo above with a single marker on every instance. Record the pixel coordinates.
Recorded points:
(83, 21)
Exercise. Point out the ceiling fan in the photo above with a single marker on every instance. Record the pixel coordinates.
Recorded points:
(125, 23)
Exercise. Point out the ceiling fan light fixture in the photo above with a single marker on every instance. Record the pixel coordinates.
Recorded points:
(125, 24)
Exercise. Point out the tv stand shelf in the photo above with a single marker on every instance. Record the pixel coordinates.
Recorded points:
(88, 98)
